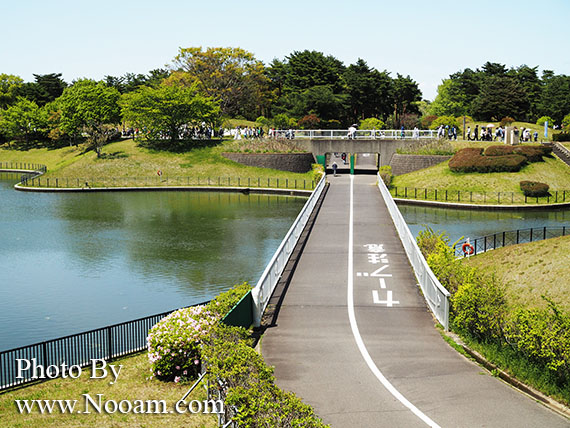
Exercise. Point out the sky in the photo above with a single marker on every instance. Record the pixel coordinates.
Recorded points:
(427, 40)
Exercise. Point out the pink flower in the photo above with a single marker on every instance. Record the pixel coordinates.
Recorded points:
(177, 379)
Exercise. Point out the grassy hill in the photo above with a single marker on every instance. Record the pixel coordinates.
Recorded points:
(126, 159)
(531, 270)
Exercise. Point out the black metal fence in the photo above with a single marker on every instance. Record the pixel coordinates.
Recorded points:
(22, 166)
(512, 237)
(165, 181)
(78, 349)
(468, 197)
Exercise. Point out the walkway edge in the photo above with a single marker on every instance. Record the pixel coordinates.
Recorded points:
(480, 206)
(551, 403)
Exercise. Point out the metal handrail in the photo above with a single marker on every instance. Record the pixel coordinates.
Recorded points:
(486, 243)
(360, 134)
(435, 294)
(106, 343)
(263, 290)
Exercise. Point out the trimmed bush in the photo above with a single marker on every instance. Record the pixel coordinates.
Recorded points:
(499, 150)
(175, 342)
(534, 188)
(506, 121)
(246, 382)
(472, 160)
(562, 136)
(533, 153)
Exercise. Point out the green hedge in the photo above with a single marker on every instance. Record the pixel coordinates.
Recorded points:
(534, 188)
(249, 384)
(479, 310)
(563, 136)
(472, 160)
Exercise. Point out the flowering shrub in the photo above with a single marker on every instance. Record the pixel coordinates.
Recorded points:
(174, 343)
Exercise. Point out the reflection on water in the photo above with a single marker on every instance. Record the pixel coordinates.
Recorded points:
(473, 224)
(72, 262)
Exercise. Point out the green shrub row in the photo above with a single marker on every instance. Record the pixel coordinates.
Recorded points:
(245, 382)
(532, 153)
(190, 339)
(480, 311)
(563, 136)
(534, 188)
(471, 160)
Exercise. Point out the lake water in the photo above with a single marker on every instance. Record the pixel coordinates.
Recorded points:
(474, 223)
(74, 262)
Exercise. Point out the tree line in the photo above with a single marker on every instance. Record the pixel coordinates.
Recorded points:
(306, 89)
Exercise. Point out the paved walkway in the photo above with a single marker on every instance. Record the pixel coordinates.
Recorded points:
(354, 337)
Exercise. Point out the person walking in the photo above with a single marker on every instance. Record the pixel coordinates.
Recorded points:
(334, 167)
(476, 132)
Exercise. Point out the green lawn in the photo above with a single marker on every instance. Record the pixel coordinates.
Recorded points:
(552, 171)
(531, 270)
(132, 384)
(125, 159)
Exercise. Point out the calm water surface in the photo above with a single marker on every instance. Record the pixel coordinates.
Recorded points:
(473, 224)
(73, 262)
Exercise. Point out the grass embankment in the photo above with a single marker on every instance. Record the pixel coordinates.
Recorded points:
(132, 384)
(530, 271)
(552, 171)
(126, 163)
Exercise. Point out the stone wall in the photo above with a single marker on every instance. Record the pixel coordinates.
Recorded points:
(402, 164)
(293, 162)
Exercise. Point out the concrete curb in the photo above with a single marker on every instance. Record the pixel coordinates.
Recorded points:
(245, 190)
(479, 206)
(515, 383)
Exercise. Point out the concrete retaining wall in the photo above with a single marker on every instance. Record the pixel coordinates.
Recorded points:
(293, 162)
(402, 164)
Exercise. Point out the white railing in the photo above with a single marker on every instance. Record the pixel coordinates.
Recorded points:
(263, 290)
(361, 134)
(435, 294)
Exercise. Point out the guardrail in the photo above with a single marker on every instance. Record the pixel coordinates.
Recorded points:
(511, 237)
(164, 181)
(435, 294)
(105, 343)
(360, 134)
(468, 197)
(262, 291)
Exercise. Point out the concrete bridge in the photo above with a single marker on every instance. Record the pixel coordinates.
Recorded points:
(383, 143)
(353, 337)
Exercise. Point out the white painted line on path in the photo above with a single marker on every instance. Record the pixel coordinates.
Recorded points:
(356, 333)
(382, 283)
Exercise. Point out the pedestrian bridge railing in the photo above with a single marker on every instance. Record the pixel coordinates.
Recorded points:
(263, 290)
(361, 134)
(435, 294)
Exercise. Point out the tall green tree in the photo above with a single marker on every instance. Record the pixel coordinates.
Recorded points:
(90, 107)
(23, 121)
(231, 76)
(406, 95)
(306, 69)
(9, 87)
(370, 91)
(555, 98)
(45, 88)
(449, 100)
(500, 96)
(164, 111)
